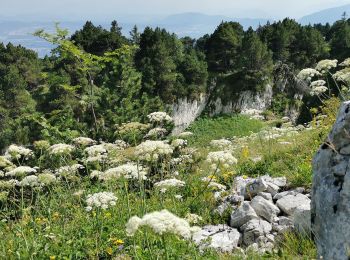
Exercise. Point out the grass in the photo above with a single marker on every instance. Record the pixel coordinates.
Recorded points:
(206, 129)
(52, 223)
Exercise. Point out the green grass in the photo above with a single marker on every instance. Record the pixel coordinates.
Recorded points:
(53, 222)
(206, 129)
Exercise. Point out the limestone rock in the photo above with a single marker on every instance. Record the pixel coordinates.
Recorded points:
(254, 187)
(330, 207)
(289, 203)
(265, 195)
(221, 237)
(242, 215)
(254, 229)
(302, 219)
(264, 208)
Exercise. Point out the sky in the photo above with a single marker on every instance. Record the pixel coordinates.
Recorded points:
(73, 10)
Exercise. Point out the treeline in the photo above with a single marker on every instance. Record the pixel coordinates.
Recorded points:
(118, 79)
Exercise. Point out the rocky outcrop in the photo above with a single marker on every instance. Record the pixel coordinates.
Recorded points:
(246, 100)
(185, 111)
(330, 207)
(259, 214)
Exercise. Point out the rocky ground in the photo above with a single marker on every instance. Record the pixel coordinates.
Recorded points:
(261, 209)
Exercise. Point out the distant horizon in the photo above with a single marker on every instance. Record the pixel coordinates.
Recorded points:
(34, 11)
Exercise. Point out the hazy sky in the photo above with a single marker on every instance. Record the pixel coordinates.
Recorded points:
(104, 9)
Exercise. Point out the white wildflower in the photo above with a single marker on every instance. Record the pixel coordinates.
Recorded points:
(61, 149)
(185, 134)
(193, 218)
(4, 162)
(30, 180)
(152, 150)
(317, 83)
(308, 74)
(169, 183)
(161, 222)
(20, 171)
(46, 178)
(325, 65)
(179, 143)
(128, 171)
(221, 144)
(345, 63)
(156, 132)
(223, 158)
(69, 170)
(95, 150)
(121, 145)
(83, 141)
(16, 152)
(178, 197)
(101, 200)
(316, 91)
(158, 117)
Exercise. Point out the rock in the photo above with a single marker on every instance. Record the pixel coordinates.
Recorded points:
(254, 229)
(289, 203)
(254, 187)
(330, 207)
(272, 188)
(242, 215)
(221, 237)
(284, 193)
(285, 221)
(279, 181)
(239, 185)
(265, 195)
(302, 219)
(264, 208)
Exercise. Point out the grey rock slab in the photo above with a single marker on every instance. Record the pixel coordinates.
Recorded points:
(242, 215)
(264, 208)
(220, 237)
(265, 195)
(289, 203)
(302, 219)
(254, 229)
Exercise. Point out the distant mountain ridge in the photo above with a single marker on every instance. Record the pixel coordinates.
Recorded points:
(329, 15)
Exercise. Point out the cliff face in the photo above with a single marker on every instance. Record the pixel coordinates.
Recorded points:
(227, 97)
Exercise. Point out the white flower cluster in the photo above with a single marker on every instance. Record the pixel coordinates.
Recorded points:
(121, 145)
(46, 178)
(83, 141)
(20, 171)
(16, 152)
(161, 222)
(169, 183)
(156, 132)
(95, 150)
(183, 159)
(131, 127)
(152, 150)
(30, 180)
(159, 117)
(185, 134)
(128, 171)
(316, 91)
(179, 143)
(61, 149)
(325, 65)
(100, 200)
(193, 218)
(222, 144)
(345, 63)
(4, 162)
(318, 87)
(69, 170)
(342, 75)
(308, 74)
(223, 158)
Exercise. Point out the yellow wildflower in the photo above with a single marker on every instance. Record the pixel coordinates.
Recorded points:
(109, 250)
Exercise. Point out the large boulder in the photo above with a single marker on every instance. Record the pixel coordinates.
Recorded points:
(330, 206)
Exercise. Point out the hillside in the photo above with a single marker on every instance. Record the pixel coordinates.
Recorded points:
(326, 16)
